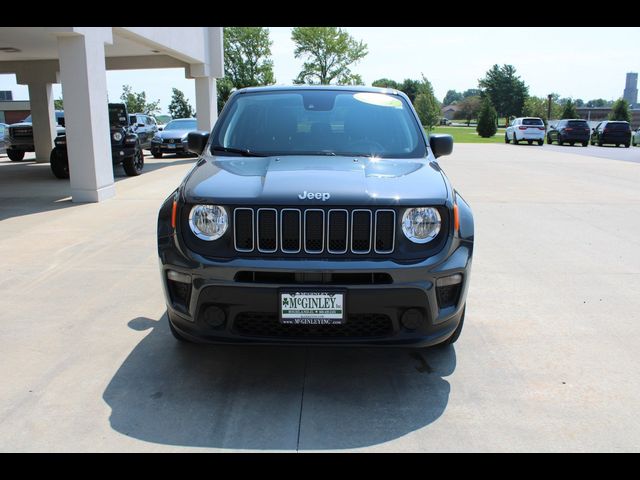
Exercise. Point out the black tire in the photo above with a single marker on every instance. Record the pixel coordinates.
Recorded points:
(15, 155)
(59, 164)
(177, 334)
(133, 165)
(549, 142)
(592, 143)
(530, 142)
(627, 145)
(456, 334)
(515, 139)
(506, 139)
(540, 142)
(157, 154)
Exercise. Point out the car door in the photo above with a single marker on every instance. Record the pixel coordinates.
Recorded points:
(143, 131)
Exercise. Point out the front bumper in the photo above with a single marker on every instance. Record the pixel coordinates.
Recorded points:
(166, 148)
(375, 312)
(21, 145)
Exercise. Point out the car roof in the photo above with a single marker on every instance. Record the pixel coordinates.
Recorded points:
(346, 88)
(178, 119)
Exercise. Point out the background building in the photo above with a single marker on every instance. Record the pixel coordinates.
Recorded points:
(631, 89)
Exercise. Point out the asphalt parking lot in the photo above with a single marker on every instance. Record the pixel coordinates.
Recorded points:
(547, 360)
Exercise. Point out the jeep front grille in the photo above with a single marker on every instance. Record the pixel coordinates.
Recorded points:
(314, 230)
(20, 132)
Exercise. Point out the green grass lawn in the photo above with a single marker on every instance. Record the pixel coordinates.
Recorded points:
(469, 135)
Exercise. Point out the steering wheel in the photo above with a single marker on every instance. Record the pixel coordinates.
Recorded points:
(366, 144)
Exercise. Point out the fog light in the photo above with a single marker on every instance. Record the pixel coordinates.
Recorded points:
(214, 316)
(412, 318)
(178, 277)
(121, 153)
(448, 281)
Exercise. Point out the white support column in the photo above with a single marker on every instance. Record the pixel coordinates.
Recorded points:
(84, 89)
(206, 102)
(44, 119)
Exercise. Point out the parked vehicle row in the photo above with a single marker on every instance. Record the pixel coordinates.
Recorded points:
(571, 131)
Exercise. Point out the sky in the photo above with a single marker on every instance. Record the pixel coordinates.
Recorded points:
(575, 62)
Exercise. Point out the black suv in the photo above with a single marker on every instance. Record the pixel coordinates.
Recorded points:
(145, 127)
(569, 131)
(125, 145)
(316, 215)
(19, 136)
(612, 132)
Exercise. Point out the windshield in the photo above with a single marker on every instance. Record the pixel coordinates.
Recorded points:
(577, 123)
(316, 122)
(117, 115)
(181, 125)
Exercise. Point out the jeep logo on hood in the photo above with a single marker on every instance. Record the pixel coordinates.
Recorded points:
(324, 196)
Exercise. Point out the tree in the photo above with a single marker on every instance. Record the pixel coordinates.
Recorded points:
(472, 92)
(179, 106)
(426, 105)
(569, 110)
(598, 102)
(329, 51)
(469, 108)
(58, 104)
(137, 102)
(620, 111)
(451, 96)
(579, 102)
(386, 83)
(505, 90)
(538, 106)
(487, 119)
(247, 60)
(410, 88)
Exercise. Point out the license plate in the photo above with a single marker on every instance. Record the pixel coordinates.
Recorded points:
(170, 145)
(312, 308)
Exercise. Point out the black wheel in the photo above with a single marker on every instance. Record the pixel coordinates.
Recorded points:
(506, 139)
(59, 164)
(157, 154)
(530, 142)
(584, 144)
(177, 334)
(540, 142)
(549, 142)
(15, 155)
(456, 334)
(627, 145)
(133, 165)
(592, 142)
(515, 139)
(560, 142)
(572, 143)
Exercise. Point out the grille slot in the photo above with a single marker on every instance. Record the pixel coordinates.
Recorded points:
(267, 230)
(243, 229)
(314, 230)
(385, 231)
(365, 325)
(361, 231)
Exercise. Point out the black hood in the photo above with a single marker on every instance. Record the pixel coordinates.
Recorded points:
(347, 181)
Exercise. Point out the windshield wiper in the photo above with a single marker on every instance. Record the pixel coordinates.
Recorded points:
(242, 151)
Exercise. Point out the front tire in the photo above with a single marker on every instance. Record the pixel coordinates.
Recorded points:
(133, 165)
(15, 155)
(506, 138)
(59, 164)
(157, 154)
(549, 142)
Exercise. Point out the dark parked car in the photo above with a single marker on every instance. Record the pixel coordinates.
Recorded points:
(612, 132)
(125, 145)
(316, 215)
(173, 138)
(3, 132)
(145, 127)
(20, 137)
(569, 131)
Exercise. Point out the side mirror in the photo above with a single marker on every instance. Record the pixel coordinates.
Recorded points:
(160, 129)
(141, 124)
(441, 144)
(197, 140)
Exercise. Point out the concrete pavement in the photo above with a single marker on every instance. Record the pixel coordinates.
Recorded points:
(547, 360)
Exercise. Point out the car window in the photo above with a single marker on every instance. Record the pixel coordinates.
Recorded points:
(618, 126)
(532, 121)
(311, 122)
(181, 125)
(578, 123)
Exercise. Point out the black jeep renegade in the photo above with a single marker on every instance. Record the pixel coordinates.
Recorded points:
(316, 215)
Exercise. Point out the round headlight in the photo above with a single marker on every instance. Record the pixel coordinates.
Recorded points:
(117, 136)
(421, 225)
(208, 222)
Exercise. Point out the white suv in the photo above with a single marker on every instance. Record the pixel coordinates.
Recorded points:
(531, 129)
